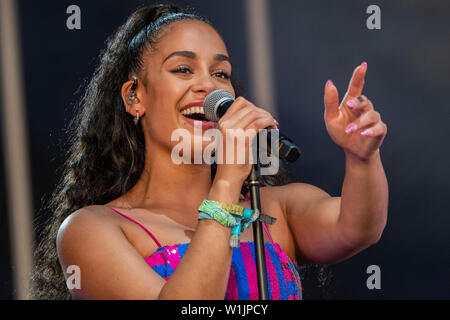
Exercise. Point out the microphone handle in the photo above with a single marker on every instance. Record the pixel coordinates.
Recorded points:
(223, 107)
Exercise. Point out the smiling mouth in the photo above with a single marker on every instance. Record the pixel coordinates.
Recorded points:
(195, 114)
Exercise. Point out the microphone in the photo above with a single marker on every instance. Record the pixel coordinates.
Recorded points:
(217, 103)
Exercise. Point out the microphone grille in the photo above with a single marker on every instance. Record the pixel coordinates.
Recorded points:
(212, 102)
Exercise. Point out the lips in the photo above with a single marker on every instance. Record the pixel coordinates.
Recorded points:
(199, 123)
(196, 108)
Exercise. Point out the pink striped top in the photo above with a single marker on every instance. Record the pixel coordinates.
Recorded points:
(284, 282)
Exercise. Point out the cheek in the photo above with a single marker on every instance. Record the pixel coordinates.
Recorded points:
(164, 98)
(228, 87)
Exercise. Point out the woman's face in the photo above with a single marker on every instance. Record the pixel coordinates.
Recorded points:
(190, 61)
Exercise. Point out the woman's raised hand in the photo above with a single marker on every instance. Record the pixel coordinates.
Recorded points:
(354, 125)
(238, 126)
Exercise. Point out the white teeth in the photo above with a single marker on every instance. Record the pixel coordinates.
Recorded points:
(192, 110)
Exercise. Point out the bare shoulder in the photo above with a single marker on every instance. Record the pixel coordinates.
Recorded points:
(92, 239)
(87, 217)
(86, 224)
(303, 194)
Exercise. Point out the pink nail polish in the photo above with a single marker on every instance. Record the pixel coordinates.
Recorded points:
(329, 83)
(351, 103)
(366, 132)
(275, 124)
(352, 127)
(364, 64)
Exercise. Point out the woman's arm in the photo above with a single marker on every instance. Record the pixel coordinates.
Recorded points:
(203, 273)
(364, 202)
(327, 229)
(331, 229)
(111, 268)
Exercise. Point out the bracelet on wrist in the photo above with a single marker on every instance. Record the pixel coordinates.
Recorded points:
(230, 216)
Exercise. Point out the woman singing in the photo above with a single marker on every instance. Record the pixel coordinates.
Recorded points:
(139, 226)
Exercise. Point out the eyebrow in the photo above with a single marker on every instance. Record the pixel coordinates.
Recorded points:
(192, 55)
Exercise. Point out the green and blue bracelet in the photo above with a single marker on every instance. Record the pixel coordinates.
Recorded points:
(230, 216)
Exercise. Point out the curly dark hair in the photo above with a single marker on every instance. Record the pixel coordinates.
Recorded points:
(105, 159)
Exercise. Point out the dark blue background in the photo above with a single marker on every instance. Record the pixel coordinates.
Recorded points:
(313, 41)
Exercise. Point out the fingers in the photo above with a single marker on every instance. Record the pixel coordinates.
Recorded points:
(359, 105)
(260, 123)
(356, 85)
(331, 100)
(237, 105)
(331, 97)
(239, 126)
(368, 120)
(230, 120)
(379, 129)
(245, 115)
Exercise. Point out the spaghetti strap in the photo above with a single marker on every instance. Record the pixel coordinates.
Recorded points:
(268, 233)
(263, 224)
(140, 225)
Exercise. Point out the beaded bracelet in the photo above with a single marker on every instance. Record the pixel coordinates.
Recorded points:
(230, 216)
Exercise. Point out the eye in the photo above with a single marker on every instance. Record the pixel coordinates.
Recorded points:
(222, 74)
(182, 69)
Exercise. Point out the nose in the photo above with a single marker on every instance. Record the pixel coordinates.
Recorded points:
(204, 84)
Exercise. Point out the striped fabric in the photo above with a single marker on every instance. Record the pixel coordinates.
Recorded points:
(283, 279)
(282, 275)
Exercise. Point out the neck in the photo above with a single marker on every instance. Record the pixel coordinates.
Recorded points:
(167, 186)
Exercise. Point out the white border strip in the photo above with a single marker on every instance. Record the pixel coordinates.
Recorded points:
(15, 151)
(260, 55)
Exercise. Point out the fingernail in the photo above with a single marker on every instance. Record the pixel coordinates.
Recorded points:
(366, 132)
(275, 125)
(351, 103)
(352, 127)
(329, 83)
(364, 64)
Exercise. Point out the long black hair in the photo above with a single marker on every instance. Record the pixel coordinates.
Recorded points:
(105, 159)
